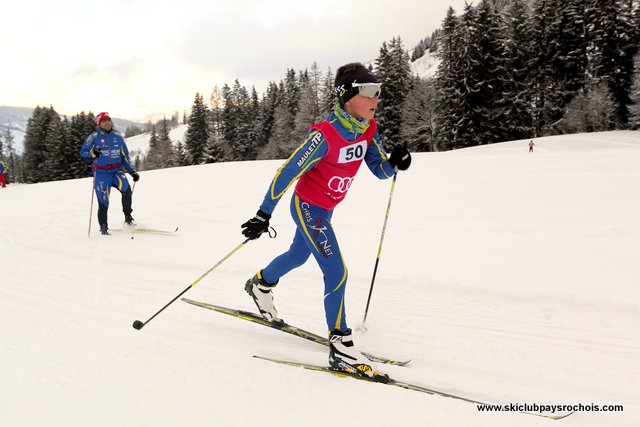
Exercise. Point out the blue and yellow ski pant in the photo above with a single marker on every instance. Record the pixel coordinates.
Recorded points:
(315, 236)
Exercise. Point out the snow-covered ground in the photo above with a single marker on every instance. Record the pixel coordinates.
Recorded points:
(505, 276)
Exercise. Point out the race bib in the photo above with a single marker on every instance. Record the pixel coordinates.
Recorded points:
(353, 153)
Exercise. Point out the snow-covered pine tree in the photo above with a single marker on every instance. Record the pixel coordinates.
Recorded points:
(167, 156)
(280, 144)
(489, 71)
(215, 151)
(448, 84)
(153, 158)
(270, 101)
(634, 108)
(517, 93)
(612, 36)
(393, 70)
(327, 94)
(241, 123)
(61, 152)
(468, 126)
(255, 121)
(198, 132)
(13, 160)
(35, 150)
(592, 110)
(308, 109)
(418, 116)
(80, 127)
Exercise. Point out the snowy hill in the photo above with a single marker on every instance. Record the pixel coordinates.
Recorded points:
(140, 143)
(505, 276)
(425, 66)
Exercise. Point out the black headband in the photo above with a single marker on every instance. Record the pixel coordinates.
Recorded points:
(344, 90)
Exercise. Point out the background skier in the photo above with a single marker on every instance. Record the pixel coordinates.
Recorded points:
(3, 171)
(106, 150)
(326, 164)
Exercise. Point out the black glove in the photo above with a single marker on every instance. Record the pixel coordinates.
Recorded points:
(400, 157)
(135, 176)
(96, 152)
(256, 225)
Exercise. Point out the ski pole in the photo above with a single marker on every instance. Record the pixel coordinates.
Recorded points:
(384, 227)
(91, 209)
(139, 325)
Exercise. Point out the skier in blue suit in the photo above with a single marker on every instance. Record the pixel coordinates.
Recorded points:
(107, 151)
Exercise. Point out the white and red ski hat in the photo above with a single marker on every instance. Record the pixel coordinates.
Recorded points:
(102, 116)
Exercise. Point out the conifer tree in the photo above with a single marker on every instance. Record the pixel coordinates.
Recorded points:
(418, 116)
(327, 94)
(308, 110)
(517, 97)
(151, 160)
(255, 124)
(56, 164)
(393, 70)
(198, 131)
(613, 42)
(35, 149)
(160, 154)
(270, 101)
(592, 110)
(181, 154)
(12, 158)
(80, 127)
(449, 84)
(634, 108)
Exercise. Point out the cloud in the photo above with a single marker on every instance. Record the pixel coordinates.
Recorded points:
(140, 57)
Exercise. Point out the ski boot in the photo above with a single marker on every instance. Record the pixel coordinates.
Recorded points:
(104, 229)
(128, 219)
(344, 356)
(260, 291)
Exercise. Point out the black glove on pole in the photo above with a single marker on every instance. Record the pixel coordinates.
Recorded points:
(257, 225)
(135, 176)
(96, 152)
(400, 157)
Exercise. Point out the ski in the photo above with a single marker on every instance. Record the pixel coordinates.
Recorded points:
(146, 230)
(284, 327)
(153, 230)
(396, 383)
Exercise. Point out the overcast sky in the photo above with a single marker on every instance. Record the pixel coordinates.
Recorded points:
(135, 58)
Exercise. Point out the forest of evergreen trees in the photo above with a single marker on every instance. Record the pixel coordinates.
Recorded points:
(510, 69)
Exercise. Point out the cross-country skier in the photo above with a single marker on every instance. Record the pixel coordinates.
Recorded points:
(3, 171)
(106, 150)
(326, 164)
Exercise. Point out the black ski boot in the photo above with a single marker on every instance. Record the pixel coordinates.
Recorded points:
(104, 229)
(128, 219)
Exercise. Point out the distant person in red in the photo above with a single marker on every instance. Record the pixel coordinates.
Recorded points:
(3, 171)
(531, 144)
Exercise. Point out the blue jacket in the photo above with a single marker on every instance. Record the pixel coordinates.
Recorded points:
(2, 168)
(114, 152)
(313, 150)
